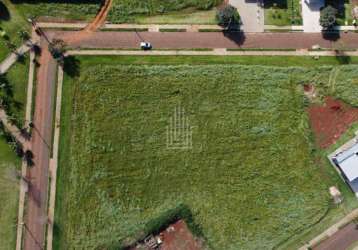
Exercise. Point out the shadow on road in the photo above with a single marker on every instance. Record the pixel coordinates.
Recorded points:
(331, 35)
(236, 36)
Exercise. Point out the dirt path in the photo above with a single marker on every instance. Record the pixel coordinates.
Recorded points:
(100, 18)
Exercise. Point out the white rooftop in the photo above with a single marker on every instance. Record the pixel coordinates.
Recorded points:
(348, 162)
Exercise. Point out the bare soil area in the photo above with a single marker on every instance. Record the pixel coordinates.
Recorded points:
(331, 120)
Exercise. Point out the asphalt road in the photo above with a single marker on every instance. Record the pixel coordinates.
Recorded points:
(340, 240)
(176, 40)
(36, 216)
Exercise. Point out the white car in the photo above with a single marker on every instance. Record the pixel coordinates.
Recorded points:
(145, 46)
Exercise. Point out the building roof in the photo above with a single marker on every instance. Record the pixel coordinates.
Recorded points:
(348, 162)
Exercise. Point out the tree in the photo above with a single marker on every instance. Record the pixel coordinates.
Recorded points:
(57, 48)
(328, 17)
(228, 16)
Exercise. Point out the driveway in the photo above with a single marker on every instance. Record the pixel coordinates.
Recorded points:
(311, 14)
(251, 13)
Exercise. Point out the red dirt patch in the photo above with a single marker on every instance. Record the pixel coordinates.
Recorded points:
(331, 120)
(178, 237)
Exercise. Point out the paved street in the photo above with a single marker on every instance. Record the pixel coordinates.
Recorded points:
(177, 40)
(340, 240)
(36, 218)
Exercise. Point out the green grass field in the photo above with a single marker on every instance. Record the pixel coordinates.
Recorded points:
(78, 10)
(11, 21)
(250, 179)
(8, 196)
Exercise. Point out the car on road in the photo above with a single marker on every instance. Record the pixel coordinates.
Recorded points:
(145, 46)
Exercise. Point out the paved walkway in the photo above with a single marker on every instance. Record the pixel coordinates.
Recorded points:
(251, 13)
(13, 130)
(331, 231)
(311, 14)
(12, 58)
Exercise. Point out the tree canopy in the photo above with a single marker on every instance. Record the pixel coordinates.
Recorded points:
(228, 16)
(328, 17)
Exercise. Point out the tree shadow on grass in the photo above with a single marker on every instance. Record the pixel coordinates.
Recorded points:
(4, 12)
(342, 58)
(72, 66)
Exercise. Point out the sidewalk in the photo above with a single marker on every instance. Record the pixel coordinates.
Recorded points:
(12, 58)
(13, 130)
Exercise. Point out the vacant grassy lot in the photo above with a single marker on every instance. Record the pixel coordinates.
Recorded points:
(250, 179)
(137, 11)
(8, 196)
